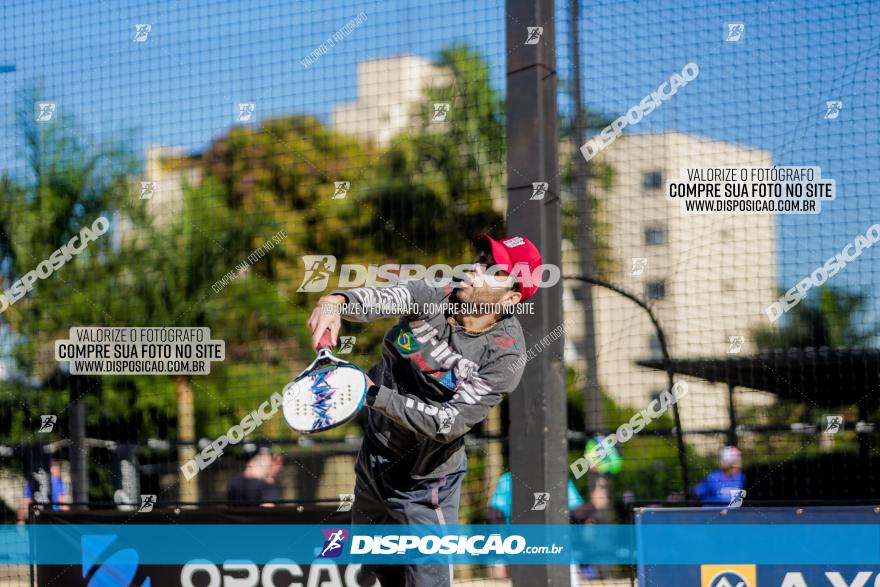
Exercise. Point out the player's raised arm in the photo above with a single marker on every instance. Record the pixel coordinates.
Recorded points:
(365, 304)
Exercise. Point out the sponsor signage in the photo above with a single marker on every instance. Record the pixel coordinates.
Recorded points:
(728, 565)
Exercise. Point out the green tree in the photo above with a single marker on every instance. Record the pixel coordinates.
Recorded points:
(67, 185)
(191, 252)
(286, 169)
(442, 182)
(831, 318)
(148, 270)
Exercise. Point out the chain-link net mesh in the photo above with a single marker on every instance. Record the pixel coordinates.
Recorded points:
(768, 317)
(241, 155)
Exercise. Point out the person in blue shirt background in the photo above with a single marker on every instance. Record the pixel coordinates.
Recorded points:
(60, 494)
(719, 486)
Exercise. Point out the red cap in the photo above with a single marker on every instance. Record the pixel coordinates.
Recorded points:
(511, 251)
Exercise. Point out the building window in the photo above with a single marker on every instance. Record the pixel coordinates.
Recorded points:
(655, 394)
(655, 235)
(652, 180)
(654, 347)
(655, 290)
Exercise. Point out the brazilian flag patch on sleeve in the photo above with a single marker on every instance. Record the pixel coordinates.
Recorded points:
(404, 341)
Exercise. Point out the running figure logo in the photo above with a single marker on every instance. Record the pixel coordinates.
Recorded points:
(47, 422)
(535, 33)
(148, 189)
(340, 189)
(147, 502)
(318, 270)
(833, 424)
(735, 32)
(832, 109)
(446, 420)
(141, 32)
(45, 111)
(333, 541)
(346, 344)
(246, 111)
(737, 497)
(346, 500)
(541, 501)
(736, 341)
(539, 190)
(441, 109)
(639, 264)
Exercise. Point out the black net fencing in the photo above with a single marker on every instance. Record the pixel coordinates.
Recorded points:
(216, 166)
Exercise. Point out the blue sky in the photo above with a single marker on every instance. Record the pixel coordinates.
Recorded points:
(202, 58)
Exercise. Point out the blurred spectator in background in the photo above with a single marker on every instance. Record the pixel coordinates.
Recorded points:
(499, 504)
(257, 484)
(60, 494)
(499, 513)
(605, 462)
(600, 501)
(719, 486)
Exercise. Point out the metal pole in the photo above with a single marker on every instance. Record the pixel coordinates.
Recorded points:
(670, 375)
(538, 444)
(731, 412)
(592, 393)
(79, 450)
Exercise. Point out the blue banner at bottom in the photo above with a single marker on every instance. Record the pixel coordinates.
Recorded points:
(659, 544)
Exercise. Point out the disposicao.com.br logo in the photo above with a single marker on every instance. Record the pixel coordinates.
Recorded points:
(476, 545)
(334, 542)
(319, 269)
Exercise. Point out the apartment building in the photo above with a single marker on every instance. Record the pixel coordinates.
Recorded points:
(391, 93)
(707, 277)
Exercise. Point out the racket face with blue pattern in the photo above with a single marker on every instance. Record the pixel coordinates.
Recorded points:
(329, 393)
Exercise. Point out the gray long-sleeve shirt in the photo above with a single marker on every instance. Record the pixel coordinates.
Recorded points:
(436, 381)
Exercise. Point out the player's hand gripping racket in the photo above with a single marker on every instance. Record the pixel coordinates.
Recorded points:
(329, 393)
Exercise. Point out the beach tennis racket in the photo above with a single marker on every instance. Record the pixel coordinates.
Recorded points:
(329, 393)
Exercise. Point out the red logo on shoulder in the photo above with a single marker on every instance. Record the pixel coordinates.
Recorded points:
(504, 341)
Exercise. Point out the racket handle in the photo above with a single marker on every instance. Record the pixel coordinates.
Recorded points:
(325, 341)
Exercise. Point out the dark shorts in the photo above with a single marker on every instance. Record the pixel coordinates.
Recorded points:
(385, 493)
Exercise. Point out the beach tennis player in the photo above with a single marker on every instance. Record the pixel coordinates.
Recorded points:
(439, 375)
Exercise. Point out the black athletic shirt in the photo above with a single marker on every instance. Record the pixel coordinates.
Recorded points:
(436, 380)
